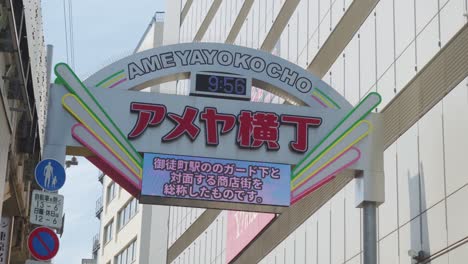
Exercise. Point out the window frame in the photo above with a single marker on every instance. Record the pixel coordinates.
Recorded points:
(108, 236)
(129, 250)
(110, 187)
(126, 213)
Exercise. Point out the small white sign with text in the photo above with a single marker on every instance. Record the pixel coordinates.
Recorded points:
(46, 209)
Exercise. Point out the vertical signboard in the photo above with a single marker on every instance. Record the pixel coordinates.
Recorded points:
(5, 224)
(243, 227)
(46, 209)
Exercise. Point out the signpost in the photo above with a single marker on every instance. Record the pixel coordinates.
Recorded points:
(50, 175)
(46, 209)
(43, 243)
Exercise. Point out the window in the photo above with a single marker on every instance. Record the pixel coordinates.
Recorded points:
(127, 255)
(110, 192)
(127, 212)
(108, 231)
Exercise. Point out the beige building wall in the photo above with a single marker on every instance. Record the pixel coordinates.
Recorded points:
(149, 221)
(408, 51)
(122, 235)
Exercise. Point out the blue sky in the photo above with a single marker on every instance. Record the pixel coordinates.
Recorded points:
(104, 31)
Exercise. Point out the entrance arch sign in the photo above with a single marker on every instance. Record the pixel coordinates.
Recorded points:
(171, 62)
(315, 138)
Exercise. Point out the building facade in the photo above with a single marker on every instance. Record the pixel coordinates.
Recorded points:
(23, 96)
(415, 54)
(128, 229)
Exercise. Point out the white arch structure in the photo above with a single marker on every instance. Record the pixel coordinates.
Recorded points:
(93, 118)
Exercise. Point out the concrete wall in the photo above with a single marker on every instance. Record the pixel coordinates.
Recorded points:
(121, 237)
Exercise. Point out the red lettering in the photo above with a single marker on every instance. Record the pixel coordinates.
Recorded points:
(148, 115)
(212, 118)
(183, 125)
(256, 129)
(302, 123)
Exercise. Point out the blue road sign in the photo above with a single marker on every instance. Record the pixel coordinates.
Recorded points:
(43, 243)
(50, 175)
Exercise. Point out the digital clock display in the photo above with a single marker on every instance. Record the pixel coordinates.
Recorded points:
(219, 84)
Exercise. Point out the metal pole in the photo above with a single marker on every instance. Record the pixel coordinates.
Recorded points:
(49, 58)
(370, 233)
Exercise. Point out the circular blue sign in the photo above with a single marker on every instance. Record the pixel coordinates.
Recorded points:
(50, 175)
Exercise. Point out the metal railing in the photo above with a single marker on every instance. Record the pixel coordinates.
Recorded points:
(96, 243)
(159, 16)
(101, 177)
(99, 207)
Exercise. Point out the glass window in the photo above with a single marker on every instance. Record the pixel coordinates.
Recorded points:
(451, 19)
(323, 233)
(338, 76)
(456, 216)
(431, 157)
(388, 217)
(459, 254)
(455, 111)
(425, 12)
(384, 38)
(405, 67)
(127, 255)
(312, 29)
(388, 249)
(324, 29)
(110, 192)
(300, 247)
(302, 34)
(293, 38)
(352, 222)
(408, 175)
(386, 87)
(434, 229)
(337, 219)
(324, 7)
(367, 55)
(127, 212)
(352, 71)
(336, 13)
(108, 231)
(404, 24)
(427, 43)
